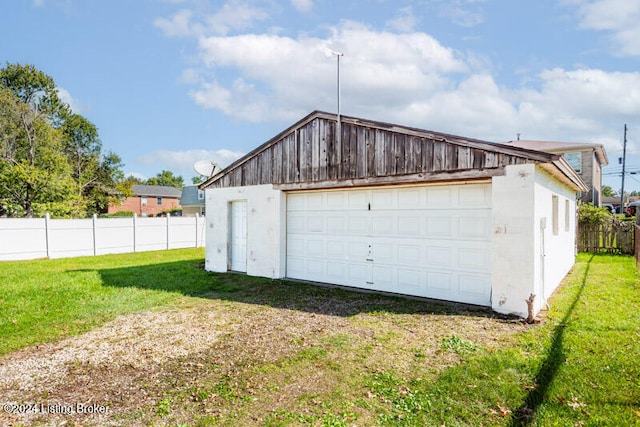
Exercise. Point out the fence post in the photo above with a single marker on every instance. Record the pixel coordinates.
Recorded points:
(46, 233)
(95, 219)
(135, 216)
(168, 230)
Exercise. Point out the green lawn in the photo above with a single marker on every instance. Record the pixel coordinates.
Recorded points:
(44, 300)
(578, 367)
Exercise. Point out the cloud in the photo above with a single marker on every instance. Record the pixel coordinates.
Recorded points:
(405, 76)
(179, 25)
(232, 16)
(405, 22)
(181, 162)
(617, 17)
(66, 97)
(583, 105)
(283, 77)
(302, 5)
(464, 13)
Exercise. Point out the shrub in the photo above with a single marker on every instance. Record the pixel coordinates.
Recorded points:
(593, 214)
(120, 214)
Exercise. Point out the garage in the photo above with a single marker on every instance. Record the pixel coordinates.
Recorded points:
(429, 241)
(390, 208)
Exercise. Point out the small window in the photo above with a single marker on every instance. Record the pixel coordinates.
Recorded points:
(144, 201)
(554, 215)
(567, 216)
(159, 201)
(202, 213)
(575, 160)
(200, 195)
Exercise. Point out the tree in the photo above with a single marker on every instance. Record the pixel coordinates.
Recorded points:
(35, 89)
(197, 179)
(166, 178)
(34, 173)
(607, 191)
(50, 158)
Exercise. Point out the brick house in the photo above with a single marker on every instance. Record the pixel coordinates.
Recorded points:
(149, 200)
(585, 158)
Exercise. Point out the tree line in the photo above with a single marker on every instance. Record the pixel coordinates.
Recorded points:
(51, 158)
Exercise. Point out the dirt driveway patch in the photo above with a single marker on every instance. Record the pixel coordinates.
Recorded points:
(222, 362)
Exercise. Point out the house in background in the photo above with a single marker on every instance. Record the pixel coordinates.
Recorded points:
(586, 159)
(192, 201)
(149, 200)
(396, 209)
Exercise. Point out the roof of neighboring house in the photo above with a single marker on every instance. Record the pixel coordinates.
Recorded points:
(190, 196)
(155, 191)
(308, 155)
(558, 147)
(614, 200)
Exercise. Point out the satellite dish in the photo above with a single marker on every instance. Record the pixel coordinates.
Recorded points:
(205, 167)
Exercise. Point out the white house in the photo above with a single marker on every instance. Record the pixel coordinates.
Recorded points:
(396, 209)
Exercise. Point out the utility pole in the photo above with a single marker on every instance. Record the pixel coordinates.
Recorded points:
(624, 162)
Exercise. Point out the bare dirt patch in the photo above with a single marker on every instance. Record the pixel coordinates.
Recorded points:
(217, 362)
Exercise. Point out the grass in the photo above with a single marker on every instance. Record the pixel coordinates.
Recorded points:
(44, 300)
(371, 360)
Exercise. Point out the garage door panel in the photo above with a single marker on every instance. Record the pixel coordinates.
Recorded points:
(439, 256)
(336, 271)
(315, 248)
(383, 278)
(439, 226)
(411, 198)
(357, 200)
(410, 279)
(409, 226)
(478, 196)
(474, 259)
(409, 254)
(439, 281)
(357, 275)
(335, 224)
(439, 197)
(316, 201)
(475, 288)
(383, 199)
(430, 241)
(337, 200)
(358, 251)
(474, 227)
(358, 225)
(295, 223)
(336, 249)
(383, 226)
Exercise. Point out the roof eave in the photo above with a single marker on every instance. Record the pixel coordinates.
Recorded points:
(561, 169)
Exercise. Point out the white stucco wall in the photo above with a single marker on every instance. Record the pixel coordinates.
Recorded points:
(513, 207)
(555, 254)
(266, 216)
(528, 258)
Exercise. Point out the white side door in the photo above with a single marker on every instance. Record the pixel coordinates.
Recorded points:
(238, 238)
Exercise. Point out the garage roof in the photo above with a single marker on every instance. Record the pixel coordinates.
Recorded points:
(309, 155)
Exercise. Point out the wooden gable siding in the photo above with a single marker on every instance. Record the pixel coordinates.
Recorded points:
(310, 153)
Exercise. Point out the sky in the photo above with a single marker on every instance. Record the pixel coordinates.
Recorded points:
(171, 82)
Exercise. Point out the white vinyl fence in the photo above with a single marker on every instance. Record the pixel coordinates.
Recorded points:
(31, 238)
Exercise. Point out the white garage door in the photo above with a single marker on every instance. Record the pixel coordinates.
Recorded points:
(429, 241)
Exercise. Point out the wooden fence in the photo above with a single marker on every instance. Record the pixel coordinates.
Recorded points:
(615, 237)
(637, 245)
